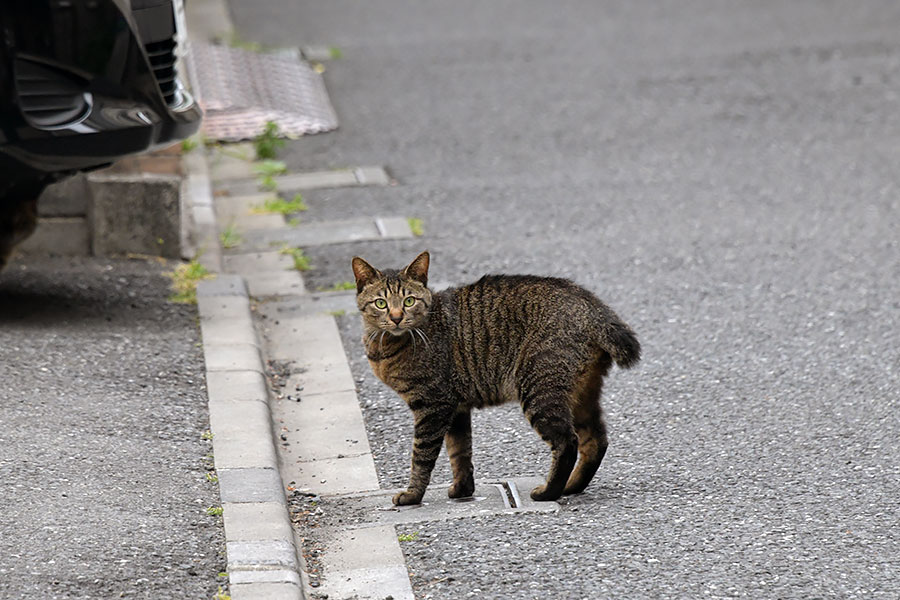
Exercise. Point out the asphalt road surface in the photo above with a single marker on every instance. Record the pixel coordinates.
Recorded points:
(724, 175)
(102, 454)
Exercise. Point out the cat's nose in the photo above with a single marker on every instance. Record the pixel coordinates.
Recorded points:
(396, 317)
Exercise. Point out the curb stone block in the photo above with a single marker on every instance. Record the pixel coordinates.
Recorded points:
(222, 285)
(256, 521)
(242, 576)
(266, 591)
(228, 331)
(250, 485)
(224, 308)
(235, 357)
(236, 440)
(236, 386)
(268, 552)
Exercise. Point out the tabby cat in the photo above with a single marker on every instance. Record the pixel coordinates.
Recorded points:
(543, 342)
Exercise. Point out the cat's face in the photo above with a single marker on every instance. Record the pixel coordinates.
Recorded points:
(393, 301)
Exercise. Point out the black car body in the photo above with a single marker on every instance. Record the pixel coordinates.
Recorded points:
(84, 82)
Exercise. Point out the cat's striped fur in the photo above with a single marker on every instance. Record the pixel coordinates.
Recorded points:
(543, 342)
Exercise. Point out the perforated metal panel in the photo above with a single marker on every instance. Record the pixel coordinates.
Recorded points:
(240, 90)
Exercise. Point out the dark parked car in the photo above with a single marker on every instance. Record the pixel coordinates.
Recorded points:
(83, 83)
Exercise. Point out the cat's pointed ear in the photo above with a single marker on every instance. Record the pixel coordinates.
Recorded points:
(417, 270)
(364, 273)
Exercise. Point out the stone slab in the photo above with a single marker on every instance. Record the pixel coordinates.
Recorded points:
(230, 386)
(243, 576)
(236, 357)
(278, 553)
(223, 285)
(275, 283)
(314, 304)
(314, 347)
(266, 591)
(250, 485)
(365, 563)
(233, 208)
(253, 262)
(225, 331)
(328, 232)
(255, 521)
(333, 476)
(237, 441)
(324, 426)
(223, 307)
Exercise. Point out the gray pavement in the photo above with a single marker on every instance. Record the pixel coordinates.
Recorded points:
(722, 174)
(103, 457)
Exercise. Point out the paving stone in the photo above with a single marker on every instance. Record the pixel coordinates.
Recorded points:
(223, 332)
(328, 232)
(243, 576)
(231, 209)
(334, 475)
(255, 521)
(236, 357)
(275, 283)
(253, 262)
(250, 485)
(366, 563)
(265, 552)
(237, 443)
(330, 426)
(229, 386)
(223, 308)
(266, 591)
(223, 285)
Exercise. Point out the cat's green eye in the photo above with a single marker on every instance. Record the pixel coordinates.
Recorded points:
(381, 303)
(409, 301)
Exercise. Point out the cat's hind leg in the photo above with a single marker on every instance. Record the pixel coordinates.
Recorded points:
(549, 415)
(587, 415)
(459, 448)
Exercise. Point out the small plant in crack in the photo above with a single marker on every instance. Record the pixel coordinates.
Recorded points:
(341, 286)
(230, 237)
(184, 281)
(416, 226)
(268, 142)
(279, 205)
(301, 261)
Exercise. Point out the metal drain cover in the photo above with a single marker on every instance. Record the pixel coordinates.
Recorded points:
(491, 497)
(240, 90)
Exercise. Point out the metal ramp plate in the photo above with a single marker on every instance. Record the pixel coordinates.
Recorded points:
(240, 90)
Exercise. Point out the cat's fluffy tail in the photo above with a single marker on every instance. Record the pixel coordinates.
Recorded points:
(619, 340)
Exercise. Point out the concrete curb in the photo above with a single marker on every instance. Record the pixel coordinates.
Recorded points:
(262, 557)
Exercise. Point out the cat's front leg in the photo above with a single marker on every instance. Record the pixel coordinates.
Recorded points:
(433, 418)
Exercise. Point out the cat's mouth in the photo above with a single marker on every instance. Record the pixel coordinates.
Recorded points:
(397, 330)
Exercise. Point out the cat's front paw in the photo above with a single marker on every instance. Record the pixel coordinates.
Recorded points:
(406, 498)
(462, 489)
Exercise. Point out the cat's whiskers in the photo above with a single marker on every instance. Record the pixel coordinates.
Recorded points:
(413, 338)
(423, 336)
(381, 340)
